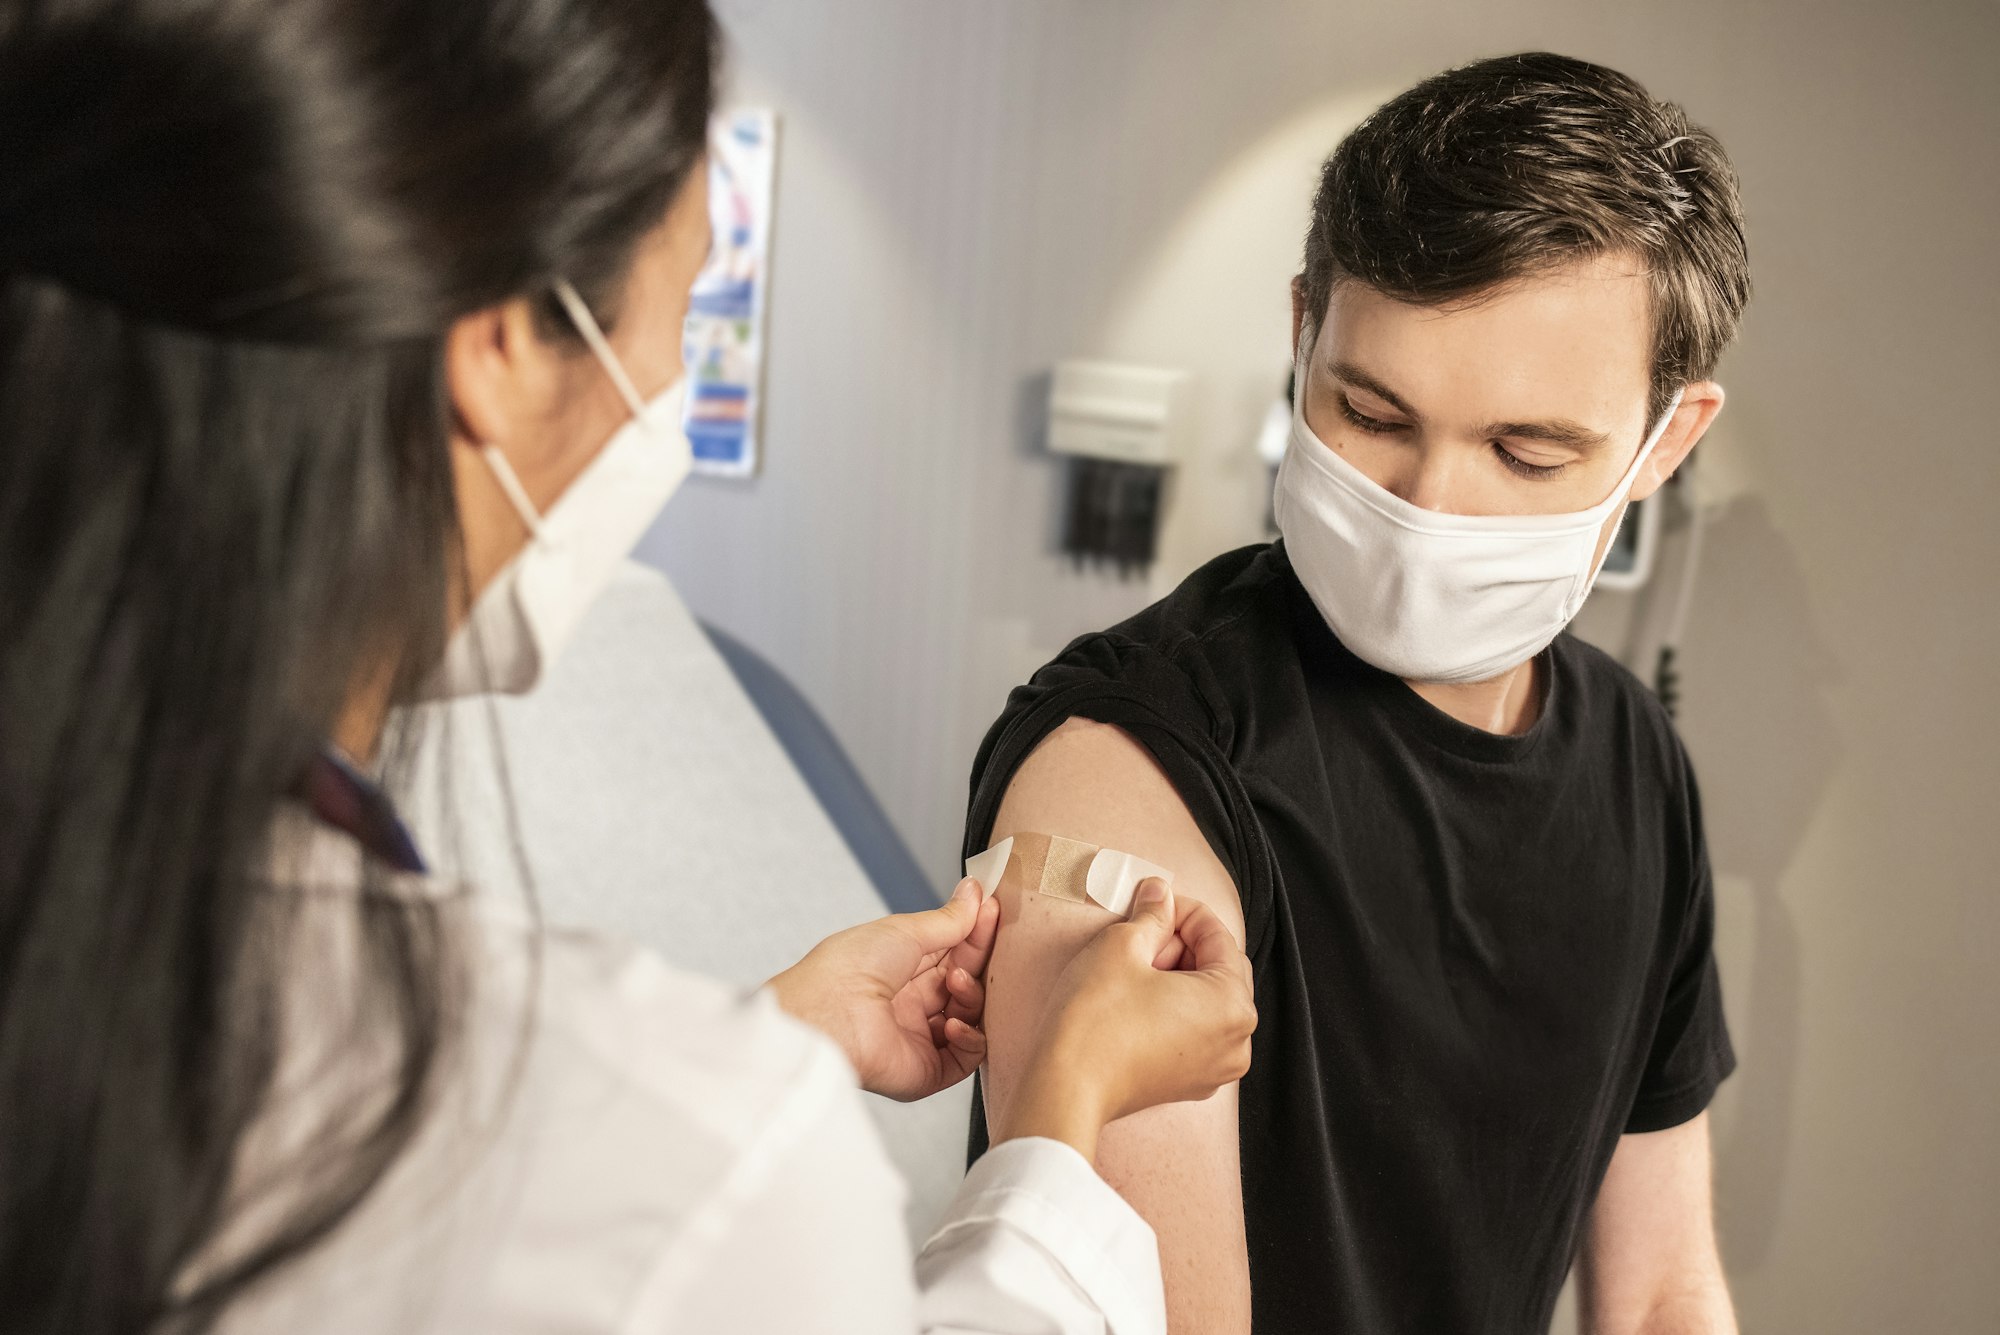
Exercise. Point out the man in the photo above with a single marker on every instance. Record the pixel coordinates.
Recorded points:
(1464, 850)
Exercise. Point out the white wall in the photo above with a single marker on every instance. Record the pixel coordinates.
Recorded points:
(968, 193)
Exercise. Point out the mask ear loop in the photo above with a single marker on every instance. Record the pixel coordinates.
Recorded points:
(1651, 443)
(510, 486)
(1302, 357)
(593, 335)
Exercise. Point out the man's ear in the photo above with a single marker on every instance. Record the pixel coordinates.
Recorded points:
(1700, 402)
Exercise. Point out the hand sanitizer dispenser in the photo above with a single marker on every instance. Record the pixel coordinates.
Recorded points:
(1119, 425)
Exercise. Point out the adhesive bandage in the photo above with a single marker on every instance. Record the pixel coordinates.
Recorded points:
(1063, 869)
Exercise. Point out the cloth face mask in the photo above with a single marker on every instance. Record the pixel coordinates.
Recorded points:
(1429, 596)
(521, 620)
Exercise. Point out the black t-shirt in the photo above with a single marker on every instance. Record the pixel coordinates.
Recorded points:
(1480, 959)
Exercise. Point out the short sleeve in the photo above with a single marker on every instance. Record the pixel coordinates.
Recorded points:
(1161, 698)
(1690, 1053)
(1165, 700)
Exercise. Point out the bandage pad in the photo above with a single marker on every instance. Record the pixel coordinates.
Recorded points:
(1048, 864)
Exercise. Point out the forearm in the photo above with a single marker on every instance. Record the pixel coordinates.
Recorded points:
(1649, 1264)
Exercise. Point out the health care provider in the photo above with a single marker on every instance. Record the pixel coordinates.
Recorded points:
(339, 364)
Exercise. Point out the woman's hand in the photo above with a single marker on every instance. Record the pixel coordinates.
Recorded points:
(1158, 1009)
(901, 995)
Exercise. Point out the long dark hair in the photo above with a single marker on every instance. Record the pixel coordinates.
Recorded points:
(232, 238)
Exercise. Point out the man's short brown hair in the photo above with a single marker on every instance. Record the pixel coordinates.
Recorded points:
(1507, 167)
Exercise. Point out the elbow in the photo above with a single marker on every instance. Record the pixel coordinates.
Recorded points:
(1691, 1305)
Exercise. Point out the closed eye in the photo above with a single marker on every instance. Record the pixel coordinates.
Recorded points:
(1522, 468)
(1373, 425)
(1515, 463)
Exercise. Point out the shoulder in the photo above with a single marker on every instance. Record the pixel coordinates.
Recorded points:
(1231, 609)
(1618, 725)
(1237, 592)
(1611, 707)
(1234, 601)
(1096, 783)
(1146, 715)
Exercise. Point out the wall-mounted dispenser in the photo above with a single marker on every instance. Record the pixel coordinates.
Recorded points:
(1119, 424)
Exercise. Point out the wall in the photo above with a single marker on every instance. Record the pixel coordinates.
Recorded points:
(968, 193)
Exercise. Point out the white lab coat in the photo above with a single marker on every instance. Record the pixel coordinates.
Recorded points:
(642, 1150)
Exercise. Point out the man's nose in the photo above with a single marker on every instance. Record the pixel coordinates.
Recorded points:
(1432, 479)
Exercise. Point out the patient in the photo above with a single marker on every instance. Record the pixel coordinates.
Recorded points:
(1463, 849)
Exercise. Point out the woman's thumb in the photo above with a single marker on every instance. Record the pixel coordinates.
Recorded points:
(942, 928)
(1153, 910)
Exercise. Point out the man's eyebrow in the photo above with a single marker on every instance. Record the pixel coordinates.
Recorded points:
(1351, 374)
(1560, 431)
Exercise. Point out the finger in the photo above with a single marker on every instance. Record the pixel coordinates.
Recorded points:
(940, 929)
(1208, 941)
(965, 1046)
(972, 953)
(929, 991)
(1153, 914)
(968, 996)
(1174, 954)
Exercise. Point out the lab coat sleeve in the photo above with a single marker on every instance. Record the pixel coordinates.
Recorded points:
(1034, 1243)
(1037, 1244)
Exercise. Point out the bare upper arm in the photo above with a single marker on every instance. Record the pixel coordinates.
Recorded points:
(1649, 1259)
(1177, 1164)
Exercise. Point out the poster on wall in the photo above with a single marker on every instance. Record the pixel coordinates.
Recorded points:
(724, 340)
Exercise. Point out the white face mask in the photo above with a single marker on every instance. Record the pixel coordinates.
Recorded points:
(1428, 596)
(521, 620)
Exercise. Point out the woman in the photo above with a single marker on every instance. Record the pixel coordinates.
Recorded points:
(326, 335)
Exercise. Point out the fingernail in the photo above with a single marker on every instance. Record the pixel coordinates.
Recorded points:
(1151, 892)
